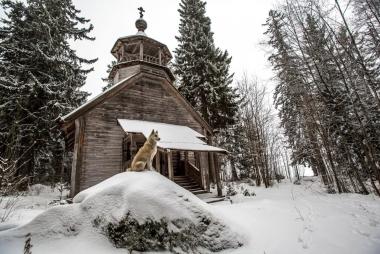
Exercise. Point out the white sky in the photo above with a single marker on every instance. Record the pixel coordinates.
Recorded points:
(237, 27)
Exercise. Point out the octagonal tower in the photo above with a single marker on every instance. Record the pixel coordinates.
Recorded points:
(135, 50)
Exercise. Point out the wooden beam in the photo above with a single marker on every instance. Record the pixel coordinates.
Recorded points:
(141, 50)
(133, 48)
(170, 165)
(164, 168)
(77, 156)
(159, 56)
(205, 167)
(218, 181)
(186, 163)
(158, 162)
(212, 167)
(122, 52)
(198, 164)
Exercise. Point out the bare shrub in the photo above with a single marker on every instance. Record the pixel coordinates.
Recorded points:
(9, 180)
(9, 183)
(7, 207)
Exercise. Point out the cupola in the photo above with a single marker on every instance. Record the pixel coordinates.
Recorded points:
(138, 49)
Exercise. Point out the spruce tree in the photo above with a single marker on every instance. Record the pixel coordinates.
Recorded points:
(40, 80)
(202, 68)
(107, 79)
(326, 74)
(234, 140)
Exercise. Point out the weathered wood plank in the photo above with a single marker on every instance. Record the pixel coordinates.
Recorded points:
(170, 165)
(217, 175)
(212, 175)
(205, 170)
(77, 156)
(158, 161)
(146, 99)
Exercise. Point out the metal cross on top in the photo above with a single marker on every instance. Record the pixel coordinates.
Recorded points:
(141, 10)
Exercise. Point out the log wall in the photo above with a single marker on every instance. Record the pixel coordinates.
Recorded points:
(146, 99)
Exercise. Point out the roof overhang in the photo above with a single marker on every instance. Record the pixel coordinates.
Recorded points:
(172, 137)
(96, 100)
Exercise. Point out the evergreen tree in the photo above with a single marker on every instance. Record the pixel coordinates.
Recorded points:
(326, 91)
(290, 89)
(107, 79)
(240, 156)
(202, 68)
(40, 78)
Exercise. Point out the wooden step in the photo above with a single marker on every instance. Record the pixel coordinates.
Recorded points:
(197, 187)
(193, 187)
(189, 184)
(186, 186)
(199, 192)
(184, 180)
(181, 177)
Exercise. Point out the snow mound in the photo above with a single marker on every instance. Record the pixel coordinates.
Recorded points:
(143, 196)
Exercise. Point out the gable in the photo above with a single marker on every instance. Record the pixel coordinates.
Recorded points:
(143, 71)
(147, 98)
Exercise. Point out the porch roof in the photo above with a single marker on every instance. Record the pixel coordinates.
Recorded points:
(174, 137)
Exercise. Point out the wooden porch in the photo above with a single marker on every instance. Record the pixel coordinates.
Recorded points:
(193, 170)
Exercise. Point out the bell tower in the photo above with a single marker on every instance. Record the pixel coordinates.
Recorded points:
(134, 51)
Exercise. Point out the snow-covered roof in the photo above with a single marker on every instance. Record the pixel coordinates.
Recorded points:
(176, 137)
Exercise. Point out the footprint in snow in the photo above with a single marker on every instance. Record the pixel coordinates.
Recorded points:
(304, 244)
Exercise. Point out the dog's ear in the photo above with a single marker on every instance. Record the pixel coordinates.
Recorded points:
(152, 132)
(156, 132)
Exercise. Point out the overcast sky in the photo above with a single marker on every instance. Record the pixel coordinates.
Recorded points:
(237, 27)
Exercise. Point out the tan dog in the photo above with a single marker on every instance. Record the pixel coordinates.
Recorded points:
(146, 153)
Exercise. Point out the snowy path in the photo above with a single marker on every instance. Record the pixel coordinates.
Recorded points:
(303, 219)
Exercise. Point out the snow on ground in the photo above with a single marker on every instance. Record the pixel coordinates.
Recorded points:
(29, 204)
(286, 218)
(142, 194)
(303, 218)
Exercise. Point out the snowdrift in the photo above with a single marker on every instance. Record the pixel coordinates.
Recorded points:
(143, 196)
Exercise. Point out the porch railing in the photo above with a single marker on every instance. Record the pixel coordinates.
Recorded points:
(151, 59)
(146, 58)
